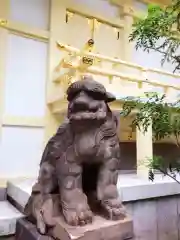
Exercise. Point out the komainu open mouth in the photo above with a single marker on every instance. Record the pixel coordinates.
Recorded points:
(88, 115)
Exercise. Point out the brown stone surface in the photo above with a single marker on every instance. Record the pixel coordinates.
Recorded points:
(100, 229)
(80, 163)
(27, 231)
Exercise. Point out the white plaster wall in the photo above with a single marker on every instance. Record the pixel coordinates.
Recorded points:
(20, 151)
(34, 13)
(102, 6)
(25, 81)
(25, 91)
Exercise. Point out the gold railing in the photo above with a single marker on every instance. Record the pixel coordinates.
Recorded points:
(83, 61)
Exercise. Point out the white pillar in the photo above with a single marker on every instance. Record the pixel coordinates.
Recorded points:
(128, 21)
(144, 151)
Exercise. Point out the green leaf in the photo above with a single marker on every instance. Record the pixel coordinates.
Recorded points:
(159, 25)
(165, 120)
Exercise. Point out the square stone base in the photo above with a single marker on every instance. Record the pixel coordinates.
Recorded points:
(100, 229)
(27, 231)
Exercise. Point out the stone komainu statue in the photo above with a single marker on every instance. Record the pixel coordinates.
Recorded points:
(80, 163)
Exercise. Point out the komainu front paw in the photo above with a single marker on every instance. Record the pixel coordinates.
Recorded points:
(113, 209)
(41, 226)
(43, 211)
(77, 216)
(76, 210)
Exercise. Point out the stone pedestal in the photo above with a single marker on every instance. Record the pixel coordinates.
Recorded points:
(27, 231)
(100, 229)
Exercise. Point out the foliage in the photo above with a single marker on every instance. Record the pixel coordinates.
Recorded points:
(160, 31)
(165, 121)
(158, 163)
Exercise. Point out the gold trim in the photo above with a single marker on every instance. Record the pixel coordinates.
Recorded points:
(117, 61)
(111, 22)
(24, 30)
(124, 77)
(3, 22)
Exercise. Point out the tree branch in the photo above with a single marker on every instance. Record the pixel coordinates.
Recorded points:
(167, 174)
(157, 50)
(175, 58)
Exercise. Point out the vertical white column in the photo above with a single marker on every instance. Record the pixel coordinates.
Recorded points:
(4, 11)
(57, 33)
(128, 21)
(144, 151)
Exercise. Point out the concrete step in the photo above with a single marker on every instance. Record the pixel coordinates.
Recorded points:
(130, 188)
(2, 193)
(8, 217)
(19, 191)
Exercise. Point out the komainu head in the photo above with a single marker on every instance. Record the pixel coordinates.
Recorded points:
(88, 100)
